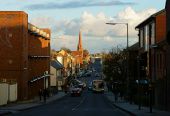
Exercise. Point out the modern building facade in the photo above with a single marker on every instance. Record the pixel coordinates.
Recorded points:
(24, 53)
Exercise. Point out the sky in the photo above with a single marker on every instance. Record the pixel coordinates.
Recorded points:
(66, 18)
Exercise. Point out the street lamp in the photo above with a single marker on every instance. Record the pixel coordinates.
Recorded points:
(127, 31)
(126, 49)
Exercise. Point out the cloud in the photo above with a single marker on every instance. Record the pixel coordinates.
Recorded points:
(64, 41)
(95, 25)
(96, 34)
(76, 4)
(132, 17)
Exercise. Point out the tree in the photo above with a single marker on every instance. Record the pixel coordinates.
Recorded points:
(85, 52)
(66, 49)
(114, 68)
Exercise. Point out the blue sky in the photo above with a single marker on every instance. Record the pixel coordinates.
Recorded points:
(66, 17)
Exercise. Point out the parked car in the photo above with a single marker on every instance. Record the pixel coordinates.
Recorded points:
(97, 75)
(90, 86)
(78, 83)
(75, 91)
(87, 74)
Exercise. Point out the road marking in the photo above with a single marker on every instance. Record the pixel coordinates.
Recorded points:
(76, 107)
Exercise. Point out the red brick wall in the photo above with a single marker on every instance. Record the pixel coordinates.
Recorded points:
(38, 46)
(161, 27)
(16, 45)
(13, 52)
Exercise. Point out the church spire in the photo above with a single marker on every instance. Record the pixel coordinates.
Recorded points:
(80, 47)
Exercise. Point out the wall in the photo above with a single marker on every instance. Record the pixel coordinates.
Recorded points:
(13, 40)
(39, 47)
(168, 54)
(161, 27)
(168, 20)
(53, 77)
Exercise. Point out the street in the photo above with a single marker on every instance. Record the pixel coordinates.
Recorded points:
(88, 104)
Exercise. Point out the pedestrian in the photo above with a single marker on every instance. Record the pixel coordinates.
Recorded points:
(67, 88)
(116, 96)
(62, 87)
(45, 94)
(40, 94)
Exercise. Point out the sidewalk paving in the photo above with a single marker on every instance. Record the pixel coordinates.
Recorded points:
(19, 106)
(132, 109)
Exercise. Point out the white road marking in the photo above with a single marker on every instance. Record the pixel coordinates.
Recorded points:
(76, 107)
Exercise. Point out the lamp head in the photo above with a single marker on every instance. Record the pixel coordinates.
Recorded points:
(111, 23)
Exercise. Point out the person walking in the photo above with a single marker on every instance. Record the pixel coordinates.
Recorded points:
(40, 94)
(45, 94)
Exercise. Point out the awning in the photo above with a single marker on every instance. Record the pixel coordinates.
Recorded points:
(56, 64)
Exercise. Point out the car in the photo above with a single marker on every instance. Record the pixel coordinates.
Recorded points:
(88, 74)
(75, 91)
(90, 86)
(98, 86)
(83, 75)
(78, 83)
(82, 85)
(97, 75)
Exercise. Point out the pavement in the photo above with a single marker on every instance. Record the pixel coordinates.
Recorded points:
(132, 109)
(20, 106)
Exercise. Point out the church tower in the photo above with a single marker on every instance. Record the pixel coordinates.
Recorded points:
(80, 47)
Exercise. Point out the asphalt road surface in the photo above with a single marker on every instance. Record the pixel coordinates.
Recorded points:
(88, 104)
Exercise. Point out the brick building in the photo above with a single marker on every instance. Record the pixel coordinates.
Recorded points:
(132, 62)
(154, 50)
(38, 59)
(24, 53)
(167, 8)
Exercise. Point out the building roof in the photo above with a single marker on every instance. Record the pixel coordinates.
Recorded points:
(56, 64)
(150, 18)
(62, 52)
(134, 47)
(76, 53)
(80, 46)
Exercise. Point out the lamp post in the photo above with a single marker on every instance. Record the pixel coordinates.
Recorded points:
(126, 50)
(127, 31)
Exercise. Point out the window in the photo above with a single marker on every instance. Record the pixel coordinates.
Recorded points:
(152, 33)
(141, 37)
(146, 39)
